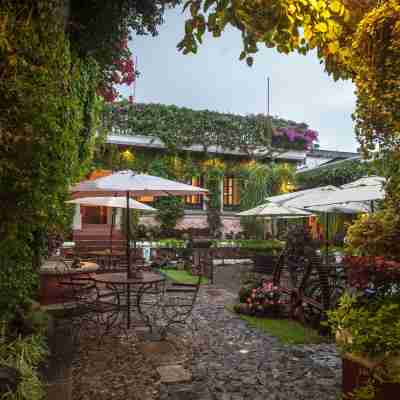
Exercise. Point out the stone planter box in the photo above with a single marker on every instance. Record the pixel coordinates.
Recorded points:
(52, 273)
(56, 370)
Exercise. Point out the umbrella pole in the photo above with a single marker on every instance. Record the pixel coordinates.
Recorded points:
(111, 233)
(128, 234)
(326, 237)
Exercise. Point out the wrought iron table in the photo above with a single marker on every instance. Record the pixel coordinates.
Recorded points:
(134, 290)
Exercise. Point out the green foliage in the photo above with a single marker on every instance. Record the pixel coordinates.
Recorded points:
(345, 172)
(47, 122)
(257, 182)
(287, 331)
(98, 27)
(179, 127)
(183, 276)
(25, 354)
(375, 234)
(372, 328)
(214, 172)
(272, 246)
(170, 209)
(170, 243)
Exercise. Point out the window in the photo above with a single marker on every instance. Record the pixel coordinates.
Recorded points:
(231, 192)
(195, 201)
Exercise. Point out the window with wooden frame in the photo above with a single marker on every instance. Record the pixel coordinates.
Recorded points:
(196, 200)
(231, 192)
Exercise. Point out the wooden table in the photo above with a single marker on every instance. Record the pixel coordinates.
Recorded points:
(137, 286)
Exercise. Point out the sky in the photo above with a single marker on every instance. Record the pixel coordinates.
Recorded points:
(215, 79)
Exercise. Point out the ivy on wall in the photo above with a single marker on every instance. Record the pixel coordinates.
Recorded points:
(257, 182)
(47, 120)
(179, 127)
(345, 172)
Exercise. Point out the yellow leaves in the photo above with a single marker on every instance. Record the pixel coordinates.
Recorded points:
(292, 9)
(308, 33)
(333, 47)
(321, 27)
(336, 6)
(325, 14)
(318, 5)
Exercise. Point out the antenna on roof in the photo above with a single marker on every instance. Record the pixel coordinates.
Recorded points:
(268, 123)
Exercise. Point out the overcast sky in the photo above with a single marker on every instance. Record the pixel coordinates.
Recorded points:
(215, 79)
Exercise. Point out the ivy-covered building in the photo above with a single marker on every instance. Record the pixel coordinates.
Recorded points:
(240, 159)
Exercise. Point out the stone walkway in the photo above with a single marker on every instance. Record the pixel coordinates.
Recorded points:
(223, 360)
(234, 362)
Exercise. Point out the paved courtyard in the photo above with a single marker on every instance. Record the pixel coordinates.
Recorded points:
(223, 360)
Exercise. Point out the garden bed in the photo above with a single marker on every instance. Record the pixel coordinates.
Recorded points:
(182, 276)
(286, 330)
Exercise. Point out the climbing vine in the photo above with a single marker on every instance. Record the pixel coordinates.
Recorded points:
(347, 171)
(179, 127)
(258, 181)
(213, 171)
(47, 121)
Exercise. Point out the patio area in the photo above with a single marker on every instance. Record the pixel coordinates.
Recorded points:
(223, 359)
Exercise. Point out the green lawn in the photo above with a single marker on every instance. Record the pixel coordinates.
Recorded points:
(182, 276)
(287, 331)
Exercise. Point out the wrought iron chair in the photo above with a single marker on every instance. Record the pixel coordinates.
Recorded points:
(175, 308)
(91, 306)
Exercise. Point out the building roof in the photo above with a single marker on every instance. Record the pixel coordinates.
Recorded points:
(330, 164)
(152, 142)
(332, 154)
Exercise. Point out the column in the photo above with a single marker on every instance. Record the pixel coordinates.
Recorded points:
(118, 218)
(77, 221)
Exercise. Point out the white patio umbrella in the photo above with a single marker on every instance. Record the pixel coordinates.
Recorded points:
(130, 184)
(366, 181)
(344, 208)
(304, 198)
(361, 190)
(275, 211)
(112, 202)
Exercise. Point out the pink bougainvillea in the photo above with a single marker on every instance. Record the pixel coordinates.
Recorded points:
(305, 139)
(122, 72)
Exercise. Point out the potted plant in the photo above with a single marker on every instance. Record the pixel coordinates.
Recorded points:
(367, 328)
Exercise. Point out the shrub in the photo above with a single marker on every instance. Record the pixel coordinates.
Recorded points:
(24, 355)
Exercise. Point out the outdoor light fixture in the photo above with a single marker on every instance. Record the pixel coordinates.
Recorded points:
(127, 155)
(243, 351)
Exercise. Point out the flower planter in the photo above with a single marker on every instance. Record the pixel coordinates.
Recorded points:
(357, 370)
